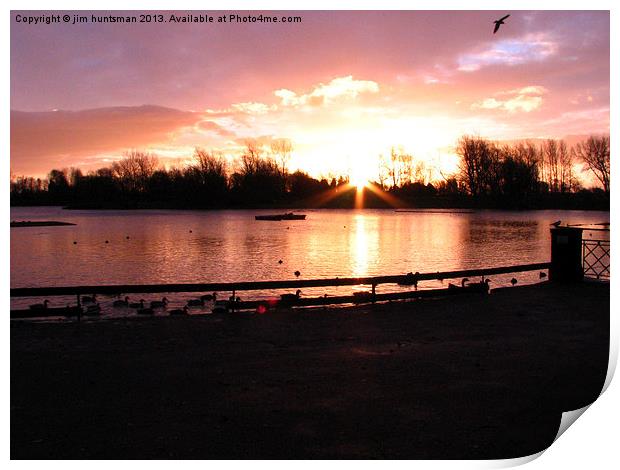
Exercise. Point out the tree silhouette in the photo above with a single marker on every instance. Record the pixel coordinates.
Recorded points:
(594, 152)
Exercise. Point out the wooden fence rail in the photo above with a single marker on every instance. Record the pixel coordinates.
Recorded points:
(268, 285)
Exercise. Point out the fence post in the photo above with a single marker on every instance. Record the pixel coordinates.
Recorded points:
(566, 251)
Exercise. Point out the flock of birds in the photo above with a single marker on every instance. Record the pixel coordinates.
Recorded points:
(92, 306)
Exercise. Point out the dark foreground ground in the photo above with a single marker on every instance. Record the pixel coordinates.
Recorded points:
(469, 377)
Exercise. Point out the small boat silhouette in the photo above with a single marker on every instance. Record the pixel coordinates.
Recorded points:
(287, 216)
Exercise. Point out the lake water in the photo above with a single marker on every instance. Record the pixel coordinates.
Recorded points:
(225, 246)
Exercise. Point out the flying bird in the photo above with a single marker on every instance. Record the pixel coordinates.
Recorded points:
(498, 23)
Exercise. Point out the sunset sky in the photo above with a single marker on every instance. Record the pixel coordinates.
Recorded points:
(343, 86)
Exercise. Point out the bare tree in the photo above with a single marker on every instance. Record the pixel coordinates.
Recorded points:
(400, 167)
(565, 157)
(594, 152)
(251, 157)
(282, 149)
(407, 170)
(134, 169)
(209, 163)
(551, 159)
(420, 172)
(383, 171)
(557, 165)
(477, 167)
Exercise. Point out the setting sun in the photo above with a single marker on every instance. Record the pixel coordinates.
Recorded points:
(361, 173)
(358, 181)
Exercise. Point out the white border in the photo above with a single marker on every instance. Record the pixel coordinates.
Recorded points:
(591, 442)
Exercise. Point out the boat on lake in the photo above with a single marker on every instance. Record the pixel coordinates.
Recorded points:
(287, 216)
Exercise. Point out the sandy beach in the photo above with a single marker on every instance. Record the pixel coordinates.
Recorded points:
(476, 376)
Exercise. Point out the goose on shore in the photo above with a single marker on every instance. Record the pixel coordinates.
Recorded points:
(297, 273)
(39, 306)
(195, 303)
(411, 280)
(513, 281)
(209, 296)
(137, 304)
(463, 282)
(121, 303)
(93, 309)
(290, 297)
(483, 285)
(179, 311)
(159, 303)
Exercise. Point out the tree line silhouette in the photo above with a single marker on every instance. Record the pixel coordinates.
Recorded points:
(517, 176)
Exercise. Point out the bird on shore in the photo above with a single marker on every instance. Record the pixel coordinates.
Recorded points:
(179, 311)
(410, 280)
(93, 309)
(121, 303)
(89, 300)
(483, 285)
(195, 303)
(297, 273)
(513, 281)
(137, 304)
(280, 261)
(40, 306)
(498, 23)
(463, 281)
(209, 296)
(556, 223)
(159, 303)
(290, 297)
(542, 275)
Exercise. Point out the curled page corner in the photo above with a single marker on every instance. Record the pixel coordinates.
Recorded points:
(508, 463)
(568, 418)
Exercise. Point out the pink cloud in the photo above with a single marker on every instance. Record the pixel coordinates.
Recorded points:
(44, 140)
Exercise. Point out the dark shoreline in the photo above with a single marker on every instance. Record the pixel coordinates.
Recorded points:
(290, 207)
(469, 377)
(39, 223)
